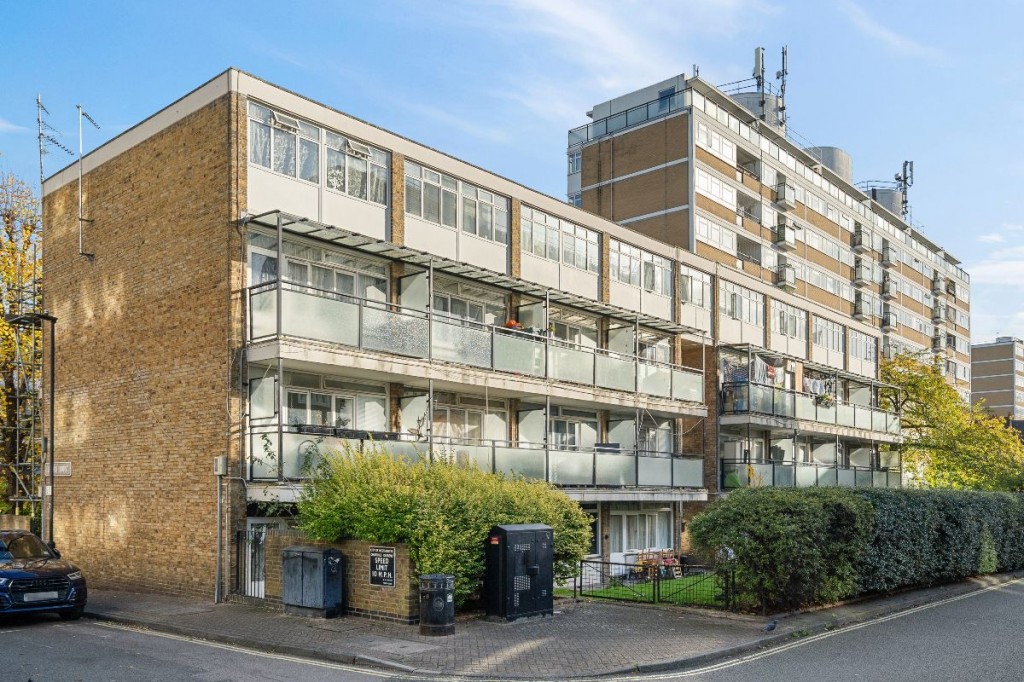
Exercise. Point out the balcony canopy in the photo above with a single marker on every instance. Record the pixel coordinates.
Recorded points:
(402, 254)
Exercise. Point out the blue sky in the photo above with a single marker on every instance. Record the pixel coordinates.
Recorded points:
(499, 83)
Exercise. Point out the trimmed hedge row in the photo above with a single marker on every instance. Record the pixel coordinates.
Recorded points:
(795, 547)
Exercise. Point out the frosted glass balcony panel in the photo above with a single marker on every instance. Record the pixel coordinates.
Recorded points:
(616, 469)
(571, 364)
(394, 332)
(571, 468)
(806, 476)
(655, 379)
(616, 372)
(263, 310)
(310, 316)
(455, 342)
(687, 386)
(688, 473)
(846, 478)
(655, 471)
(519, 353)
(522, 461)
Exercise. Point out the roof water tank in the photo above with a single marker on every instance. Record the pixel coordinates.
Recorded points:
(890, 199)
(835, 159)
(751, 101)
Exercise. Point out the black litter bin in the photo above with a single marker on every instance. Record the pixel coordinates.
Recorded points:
(437, 604)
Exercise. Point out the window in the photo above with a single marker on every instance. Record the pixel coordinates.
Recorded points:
(715, 188)
(450, 202)
(741, 303)
(356, 169)
(636, 530)
(361, 407)
(789, 321)
(575, 161)
(463, 302)
(322, 271)
(639, 268)
(863, 347)
(696, 287)
(828, 334)
(716, 143)
(275, 140)
(559, 240)
(576, 199)
(712, 233)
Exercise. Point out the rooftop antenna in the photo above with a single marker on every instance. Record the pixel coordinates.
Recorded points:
(905, 181)
(696, 71)
(781, 76)
(47, 138)
(81, 215)
(759, 75)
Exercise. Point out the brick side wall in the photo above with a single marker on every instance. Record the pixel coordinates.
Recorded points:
(146, 344)
(399, 603)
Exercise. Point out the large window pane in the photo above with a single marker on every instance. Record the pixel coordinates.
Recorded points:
(343, 412)
(431, 202)
(449, 208)
(378, 184)
(320, 409)
(259, 144)
(501, 226)
(413, 196)
(336, 170)
(485, 221)
(552, 243)
(469, 215)
(357, 176)
(284, 152)
(297, 404)
(309, 160)
(372, 412)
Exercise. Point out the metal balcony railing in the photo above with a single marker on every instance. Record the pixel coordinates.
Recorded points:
(741, 474)
(303, 446)
(744, 398)
(330, 317)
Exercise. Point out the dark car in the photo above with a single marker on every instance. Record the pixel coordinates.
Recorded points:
(34, 578)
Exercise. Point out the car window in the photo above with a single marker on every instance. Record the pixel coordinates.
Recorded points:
(27, 547)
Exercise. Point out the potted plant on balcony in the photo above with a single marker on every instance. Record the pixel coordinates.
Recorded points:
(825, 400)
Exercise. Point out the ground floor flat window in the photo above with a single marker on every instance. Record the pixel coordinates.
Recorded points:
(634, 530)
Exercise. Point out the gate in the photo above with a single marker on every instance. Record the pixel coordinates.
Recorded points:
(251, 562)
(686, 585)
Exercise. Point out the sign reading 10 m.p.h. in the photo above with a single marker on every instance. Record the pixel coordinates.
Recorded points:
(382, 566)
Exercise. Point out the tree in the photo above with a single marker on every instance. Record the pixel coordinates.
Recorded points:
(20, 269)
(949, 443)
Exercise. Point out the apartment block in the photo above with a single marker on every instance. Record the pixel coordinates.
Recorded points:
(261, 277)
(813, 277)
(997, 377)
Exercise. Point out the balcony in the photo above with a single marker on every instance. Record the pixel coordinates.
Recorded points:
(785, 277)
(889, 321)
(889, 256)
(889, 289)
(861, 241)
(861, 308)
(739, 474)
(649, 111)
(744, 398)
(785, 196)
(785, 235)
(939, 313)
(595, 467)
(861, 274)
(939, 285)
(344, 320)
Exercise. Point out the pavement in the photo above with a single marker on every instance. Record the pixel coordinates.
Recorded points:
(584, 638)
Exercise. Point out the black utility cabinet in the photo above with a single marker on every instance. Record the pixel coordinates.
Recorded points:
(519, 576)
(311, 581)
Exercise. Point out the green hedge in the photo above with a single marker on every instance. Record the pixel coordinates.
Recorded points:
(442, 512)
(795, 547)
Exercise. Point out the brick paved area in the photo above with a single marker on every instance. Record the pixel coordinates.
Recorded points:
(582, 639)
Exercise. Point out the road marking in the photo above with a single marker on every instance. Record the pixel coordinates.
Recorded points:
(724, 665)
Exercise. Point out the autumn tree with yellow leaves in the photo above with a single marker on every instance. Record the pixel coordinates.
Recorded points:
(948, 442)
(20, 270)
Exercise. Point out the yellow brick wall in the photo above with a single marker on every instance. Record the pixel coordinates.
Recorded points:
(145, 353)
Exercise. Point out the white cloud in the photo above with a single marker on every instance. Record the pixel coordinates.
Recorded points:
(994, 238)
(1013, 227)
(450, 120)
(1004, 267)
(872, 28)
(8, 127)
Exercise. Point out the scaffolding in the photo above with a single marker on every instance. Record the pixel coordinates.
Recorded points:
(23, 440)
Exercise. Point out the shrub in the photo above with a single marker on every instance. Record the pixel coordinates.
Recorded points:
(815, 545)
(441, 511)
(789, 546)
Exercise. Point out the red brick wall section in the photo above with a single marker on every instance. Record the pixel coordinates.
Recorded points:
(147, 331)
(399, 603)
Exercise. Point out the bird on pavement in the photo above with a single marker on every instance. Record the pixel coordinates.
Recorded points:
(771, 626)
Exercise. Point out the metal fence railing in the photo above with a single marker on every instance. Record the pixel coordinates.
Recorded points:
(665, 583)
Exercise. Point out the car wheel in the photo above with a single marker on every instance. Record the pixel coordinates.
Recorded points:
(72, 614)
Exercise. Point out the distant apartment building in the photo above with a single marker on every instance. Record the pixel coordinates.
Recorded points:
(997, 377)
(812, 278)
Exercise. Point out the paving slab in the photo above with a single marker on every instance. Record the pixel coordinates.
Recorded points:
(583, 638)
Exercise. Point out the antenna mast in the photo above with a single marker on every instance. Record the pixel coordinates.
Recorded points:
(781, 75)
(81, 214)
(904, 181)
(759, 77)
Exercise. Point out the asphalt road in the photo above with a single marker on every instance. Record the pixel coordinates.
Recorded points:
(972, 637)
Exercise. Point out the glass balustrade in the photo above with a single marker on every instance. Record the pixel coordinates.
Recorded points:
(374, 325)
(738, 474)
(743, 398)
